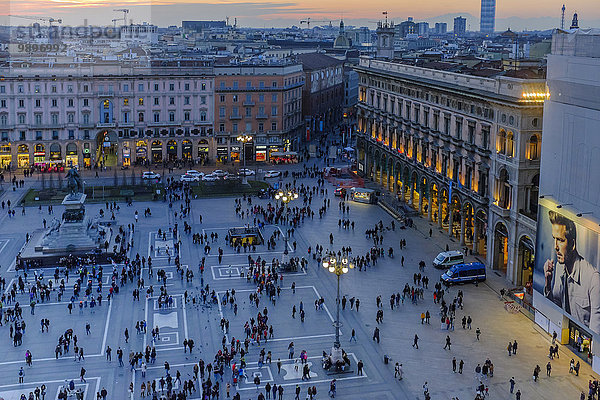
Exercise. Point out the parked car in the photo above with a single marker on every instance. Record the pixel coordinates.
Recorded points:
(464, 273)
(151, 176)
(272, 174)
(195, 173)
(219, 173)
(447, 259)
(210, 178)
(189, 178)
(339, 191)
(246, 172)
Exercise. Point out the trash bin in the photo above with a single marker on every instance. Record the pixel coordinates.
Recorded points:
(386, 359)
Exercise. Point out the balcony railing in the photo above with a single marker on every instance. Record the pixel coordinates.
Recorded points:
(106, 125)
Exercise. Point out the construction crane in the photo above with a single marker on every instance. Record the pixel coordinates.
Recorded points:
(125, 11)
(49, 20)
(308, 21)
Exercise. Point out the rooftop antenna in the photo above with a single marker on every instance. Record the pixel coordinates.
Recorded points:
(562, 18)
(386, 18)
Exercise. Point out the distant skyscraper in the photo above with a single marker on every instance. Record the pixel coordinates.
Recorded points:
(460, 26)
(422, 28)
(441, 28)
(488, 16)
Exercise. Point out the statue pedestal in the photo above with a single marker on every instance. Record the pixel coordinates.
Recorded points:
(74, 199)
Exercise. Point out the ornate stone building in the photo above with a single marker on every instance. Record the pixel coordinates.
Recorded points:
(461, 148)
(106, 114)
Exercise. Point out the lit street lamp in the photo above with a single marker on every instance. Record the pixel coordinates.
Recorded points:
(338, 267)
(286, 196)
(244, 138)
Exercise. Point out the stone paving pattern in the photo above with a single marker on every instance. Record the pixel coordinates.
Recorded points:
(430, 363)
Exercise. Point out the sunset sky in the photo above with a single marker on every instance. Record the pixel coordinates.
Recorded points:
(531, 14)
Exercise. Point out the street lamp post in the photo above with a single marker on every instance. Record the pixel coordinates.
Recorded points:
(339, 268)
(244, 138)
(285, 196)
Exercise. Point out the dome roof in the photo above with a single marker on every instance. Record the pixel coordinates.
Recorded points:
(341, 42)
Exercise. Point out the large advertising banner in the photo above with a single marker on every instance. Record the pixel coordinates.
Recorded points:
(567, 264)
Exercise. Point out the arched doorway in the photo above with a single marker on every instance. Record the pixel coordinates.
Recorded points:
(406, 184)
(71, 158)
(171, 150)
(384, 172)
(480, 233)
(203, 151)
(377, 167)
(398, 178)
(107, 146)
(39, 154)
(456, 210)
(23, 156)
(435, 209)
(55, 153)
(500, 261)
(391, 176)
(444, 215)
(526, 258)
(469, 224)
(424, 193)
(141, 152)
(186, 150)
(415, 191)
(157, 153)
(5, 156)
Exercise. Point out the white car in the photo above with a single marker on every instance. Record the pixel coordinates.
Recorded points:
(195, 173)
(246, 172)
(272, 174)
(210, 178)
(189, 178)
(151, 176)
(219, 173)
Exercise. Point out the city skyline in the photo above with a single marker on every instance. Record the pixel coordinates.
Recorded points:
(266, 14)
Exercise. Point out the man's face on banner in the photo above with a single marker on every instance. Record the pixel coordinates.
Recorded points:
(560, 242)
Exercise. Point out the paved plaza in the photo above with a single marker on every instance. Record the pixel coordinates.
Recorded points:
(189, 317)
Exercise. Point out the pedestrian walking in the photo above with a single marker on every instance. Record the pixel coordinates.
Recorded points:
(416, 342)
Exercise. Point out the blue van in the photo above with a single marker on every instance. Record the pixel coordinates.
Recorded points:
(464, 273)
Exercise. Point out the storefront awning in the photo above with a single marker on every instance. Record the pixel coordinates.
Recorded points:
(284, 154)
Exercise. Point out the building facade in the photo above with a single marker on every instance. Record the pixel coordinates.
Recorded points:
(263, 101)
(323, 92)
(570, 196)
(106, 114)
(461, 150)
(487, 22)
(460, 26)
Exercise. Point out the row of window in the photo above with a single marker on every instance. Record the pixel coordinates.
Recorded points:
(105, 103)
(125, 87)
(106, 117)
(505, 145)
(235, 111)
(235, 128)
(248, 99)
(448, 102)
(85, 133)
(236, 85)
